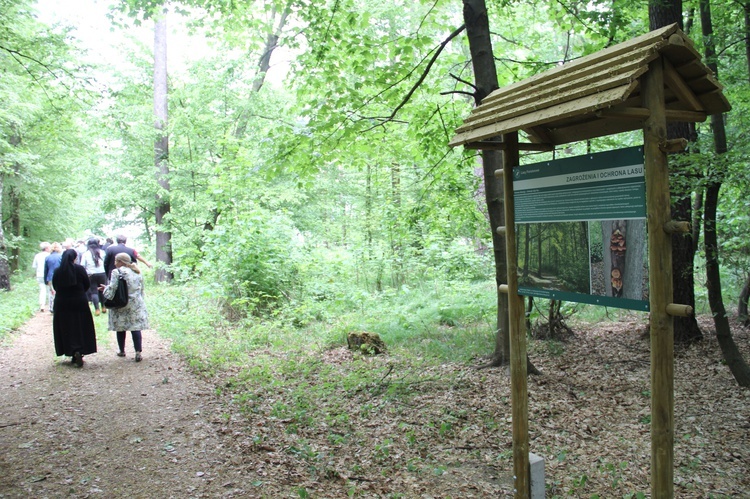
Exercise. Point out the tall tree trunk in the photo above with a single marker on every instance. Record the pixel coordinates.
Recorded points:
(662, 13)
(4, 267)
(485, 80)
(697, 216)
(397, 242)
(15, 226)
(161, 153)
(526, 243)
(732, 355)
(368, 213)
(742, 311)
(264, 64)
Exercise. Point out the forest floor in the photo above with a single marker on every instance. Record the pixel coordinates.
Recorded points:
(117, 428)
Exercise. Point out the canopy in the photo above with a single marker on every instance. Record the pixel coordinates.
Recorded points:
(598, 95)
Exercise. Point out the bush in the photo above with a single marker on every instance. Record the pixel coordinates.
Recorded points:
(252, 259)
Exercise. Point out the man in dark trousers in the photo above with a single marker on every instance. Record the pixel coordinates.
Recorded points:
(113, 250)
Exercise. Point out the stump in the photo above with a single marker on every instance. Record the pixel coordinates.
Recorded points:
(367, 343)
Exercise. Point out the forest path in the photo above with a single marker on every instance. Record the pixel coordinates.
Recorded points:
(114, 428)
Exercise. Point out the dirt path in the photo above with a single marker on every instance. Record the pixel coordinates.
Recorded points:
(114, 428)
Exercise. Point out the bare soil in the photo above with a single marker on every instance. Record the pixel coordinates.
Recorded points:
(117, 428)
(113, 428)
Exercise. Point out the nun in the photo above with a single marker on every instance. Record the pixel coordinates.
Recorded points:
(72, 325)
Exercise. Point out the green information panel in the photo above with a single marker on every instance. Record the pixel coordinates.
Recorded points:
(581, 231)
(598, 186)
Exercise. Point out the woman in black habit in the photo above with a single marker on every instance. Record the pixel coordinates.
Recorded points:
(72, 324)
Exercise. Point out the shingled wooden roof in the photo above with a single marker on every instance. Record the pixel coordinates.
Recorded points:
(598, 95)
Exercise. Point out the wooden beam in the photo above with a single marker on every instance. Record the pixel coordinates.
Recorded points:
(648, 41)
(530, 103)
(628, 113)
(493, 145)
(581, 106)
(656, 170)
(683, 115)
(540, 133)
(676, 227)
(674, 145)
(681, 89)
(519, 389)
(630, 67)
(677, 310)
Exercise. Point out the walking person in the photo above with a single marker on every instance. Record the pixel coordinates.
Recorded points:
(115, 249)
(72, 326)
(93, 261)
(132, 317)
(120, 247)
(38, 266)
(51, 263)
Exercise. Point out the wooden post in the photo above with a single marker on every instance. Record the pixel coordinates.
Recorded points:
(660, 284)
(519, 389)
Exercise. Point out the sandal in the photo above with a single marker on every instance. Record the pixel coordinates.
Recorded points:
(121, 354)
(78, 359)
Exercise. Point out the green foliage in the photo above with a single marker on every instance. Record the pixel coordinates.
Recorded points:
(252, 259)
(45, 91)
(17, 305)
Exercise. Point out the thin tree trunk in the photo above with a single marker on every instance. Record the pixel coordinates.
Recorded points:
(663, 13)
(485, 80)
(161, 153)
(264, 64)
(742, 311)
(539, 243)
(732, 354)
(526, 243)
(4, 267)
(15, 226)
(697, 216)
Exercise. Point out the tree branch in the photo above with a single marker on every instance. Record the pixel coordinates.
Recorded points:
(421, 79)
(468, 83)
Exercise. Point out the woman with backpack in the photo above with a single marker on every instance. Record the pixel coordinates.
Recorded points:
(132, 317)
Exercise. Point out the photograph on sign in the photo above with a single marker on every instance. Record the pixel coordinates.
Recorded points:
(581, 231)
(554, 256)
(619, 266)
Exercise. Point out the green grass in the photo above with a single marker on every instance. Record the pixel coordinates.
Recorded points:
(445, 323)
(284, 352)
(20, 304)
(17, 305)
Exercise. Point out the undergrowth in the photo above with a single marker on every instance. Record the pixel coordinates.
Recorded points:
(435, 324)
(445, 322)
(17, 305)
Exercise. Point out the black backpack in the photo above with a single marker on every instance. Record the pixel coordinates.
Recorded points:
(120, 299)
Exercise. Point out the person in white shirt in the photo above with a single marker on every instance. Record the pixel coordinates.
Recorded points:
(38, 266)
(93, 261)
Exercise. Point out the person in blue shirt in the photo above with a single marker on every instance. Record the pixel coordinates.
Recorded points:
(51, 263)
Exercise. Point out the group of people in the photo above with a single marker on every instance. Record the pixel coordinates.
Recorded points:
(72, 276)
